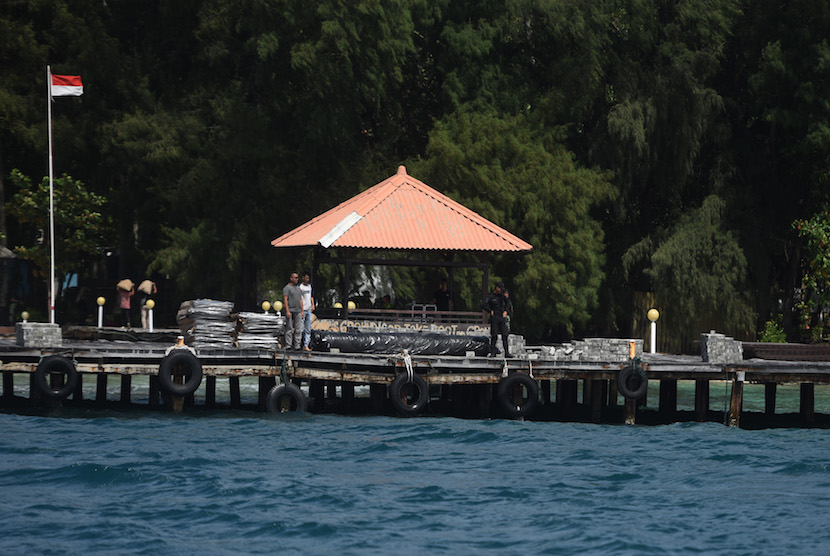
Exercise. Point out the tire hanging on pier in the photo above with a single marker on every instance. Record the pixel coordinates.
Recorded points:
(180, 363)
(632, 382)
(297, 400)
(410, 397)
(56, 364)
(506, 391)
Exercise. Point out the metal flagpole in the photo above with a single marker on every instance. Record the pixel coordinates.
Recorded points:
(51, 201)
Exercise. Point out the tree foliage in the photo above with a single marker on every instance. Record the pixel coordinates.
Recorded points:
(82, 228)
(636, 144)
(699, 270)
(520, 176)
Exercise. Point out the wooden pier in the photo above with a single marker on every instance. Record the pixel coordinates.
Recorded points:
(533, 387)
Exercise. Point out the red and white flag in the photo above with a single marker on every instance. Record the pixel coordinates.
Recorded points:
(67, 86)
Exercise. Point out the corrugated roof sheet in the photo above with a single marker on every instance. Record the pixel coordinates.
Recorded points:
(401, 213)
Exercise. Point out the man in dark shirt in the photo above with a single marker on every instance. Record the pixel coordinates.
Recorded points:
(497, 305)
(442, 298)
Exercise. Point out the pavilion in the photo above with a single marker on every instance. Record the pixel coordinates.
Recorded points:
(403, 214)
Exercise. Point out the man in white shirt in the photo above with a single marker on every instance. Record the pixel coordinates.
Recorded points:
(308, 308)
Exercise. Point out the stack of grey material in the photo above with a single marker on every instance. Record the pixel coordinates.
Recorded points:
(719, 348)
(258, 330)
(594, 350)
(207, 324)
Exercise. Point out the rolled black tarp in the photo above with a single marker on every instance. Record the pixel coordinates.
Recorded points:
(395, 342)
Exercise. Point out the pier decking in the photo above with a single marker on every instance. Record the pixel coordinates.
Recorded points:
(544, 387)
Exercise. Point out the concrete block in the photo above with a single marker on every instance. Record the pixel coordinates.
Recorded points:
(38, 335)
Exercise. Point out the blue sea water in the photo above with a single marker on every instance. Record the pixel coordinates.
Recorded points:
(228, 482)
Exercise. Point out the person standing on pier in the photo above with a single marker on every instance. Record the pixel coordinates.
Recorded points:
(308, 308)
(498, 306)
(148, 289)
(442, 298)
(126, 289)
(292, 300)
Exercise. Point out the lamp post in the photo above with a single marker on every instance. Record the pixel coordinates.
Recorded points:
(266, 306)
(25, 316)
(278, 307)
(653, 315)
(100, 301)
(150, 304)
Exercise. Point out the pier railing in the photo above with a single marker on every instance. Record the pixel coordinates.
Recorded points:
(417, 314)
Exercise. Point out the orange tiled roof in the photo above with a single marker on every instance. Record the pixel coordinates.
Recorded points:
(402, 213)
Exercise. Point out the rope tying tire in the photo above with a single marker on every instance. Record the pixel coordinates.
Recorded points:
(506, 390)
(273, 402)
(56, 364)
(407, 362)
(405, 400)
(180, 362)
(632, 382)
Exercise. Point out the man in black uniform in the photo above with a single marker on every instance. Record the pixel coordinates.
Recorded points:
(497, 305)
(442, 298)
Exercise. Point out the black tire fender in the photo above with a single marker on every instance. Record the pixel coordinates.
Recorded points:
(504, 394)
(400, 398)
(56, 364)
(632, 382)
(273, 401)
(174, 362)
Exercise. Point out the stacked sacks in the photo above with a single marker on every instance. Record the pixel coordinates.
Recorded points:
(207, 324)
(258, 330)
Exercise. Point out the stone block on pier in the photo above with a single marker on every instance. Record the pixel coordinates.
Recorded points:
(718, 348)
(38, 335)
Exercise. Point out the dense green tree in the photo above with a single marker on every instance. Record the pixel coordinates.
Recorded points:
(781, 117)
(82, 227)
(520, 176)
(597, 130)
(698, 270)
(813, 300)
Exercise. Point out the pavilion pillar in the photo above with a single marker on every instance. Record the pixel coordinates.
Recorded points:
(347, 282)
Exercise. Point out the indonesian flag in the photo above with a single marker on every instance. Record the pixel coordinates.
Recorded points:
(67, 86)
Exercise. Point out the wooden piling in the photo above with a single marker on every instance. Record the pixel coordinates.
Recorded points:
(769, 398)
(613, 391)
(177, 402)
(596, 400)
(701, 400)
(266, 383)
(34, 393)
(155, 391)
(485, 400)
(736, 400)
(8, 385)
(236, 396)
(377, 392)
(568, 402)
(210, 391)
(347, 395)
(101, 388)
(807, 403)
(316, 391)
(545, 392)
(668, 396)
(630, 412)
(126, 385)
(557, 395)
